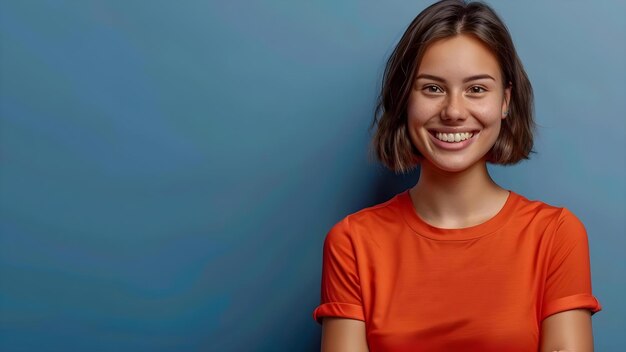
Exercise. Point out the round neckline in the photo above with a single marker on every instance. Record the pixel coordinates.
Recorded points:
(425, 229)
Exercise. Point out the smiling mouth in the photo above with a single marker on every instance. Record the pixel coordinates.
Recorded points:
(453, 137)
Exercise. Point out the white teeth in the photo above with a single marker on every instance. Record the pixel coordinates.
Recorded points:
(453, 137)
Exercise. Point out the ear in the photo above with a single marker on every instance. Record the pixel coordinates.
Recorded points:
(506, 101)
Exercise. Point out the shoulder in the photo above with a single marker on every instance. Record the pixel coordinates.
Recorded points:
(534, 206)
(557, 219)
(378, 211)
(538, 208)
(370, 218)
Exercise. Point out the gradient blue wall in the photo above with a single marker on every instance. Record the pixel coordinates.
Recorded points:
(169, 169)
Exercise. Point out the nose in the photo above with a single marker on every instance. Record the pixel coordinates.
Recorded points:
(453, 109)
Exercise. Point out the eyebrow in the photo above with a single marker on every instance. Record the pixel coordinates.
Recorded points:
(465, 80)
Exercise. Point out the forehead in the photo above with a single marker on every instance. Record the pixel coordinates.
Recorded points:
(459, 56)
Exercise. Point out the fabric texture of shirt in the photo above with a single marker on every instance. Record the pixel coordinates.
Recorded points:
(482, 288)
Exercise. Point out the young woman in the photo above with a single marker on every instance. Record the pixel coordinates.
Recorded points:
(456, 263)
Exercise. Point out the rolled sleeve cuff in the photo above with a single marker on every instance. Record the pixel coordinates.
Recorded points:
(340, 310)
(580, 301)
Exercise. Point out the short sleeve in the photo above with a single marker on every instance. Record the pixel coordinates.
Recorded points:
(341, 290)
(568, 280)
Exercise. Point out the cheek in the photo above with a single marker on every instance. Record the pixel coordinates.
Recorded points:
(418, 113)
(492, 131)
(488, 113)
(415, 119)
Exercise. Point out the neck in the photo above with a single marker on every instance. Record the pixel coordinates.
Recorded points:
(457, 199)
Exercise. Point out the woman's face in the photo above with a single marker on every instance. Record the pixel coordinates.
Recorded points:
(457, 103)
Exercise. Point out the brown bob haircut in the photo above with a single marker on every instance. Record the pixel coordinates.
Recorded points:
(392, 144)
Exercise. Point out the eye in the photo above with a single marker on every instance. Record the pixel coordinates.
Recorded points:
(477, 90)
(432, 89)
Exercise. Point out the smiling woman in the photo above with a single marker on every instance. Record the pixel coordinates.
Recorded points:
(457, 262)
(449, 102)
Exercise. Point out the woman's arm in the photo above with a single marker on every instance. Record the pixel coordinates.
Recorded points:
(343, 335)
(568, 331)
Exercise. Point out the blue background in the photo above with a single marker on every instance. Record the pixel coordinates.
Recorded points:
(169, 169)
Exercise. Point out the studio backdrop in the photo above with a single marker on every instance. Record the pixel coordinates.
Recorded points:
(169, 169)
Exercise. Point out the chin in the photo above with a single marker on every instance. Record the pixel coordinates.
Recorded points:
(454, 166)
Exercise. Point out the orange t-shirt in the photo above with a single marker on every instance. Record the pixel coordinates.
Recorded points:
(481, 288)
